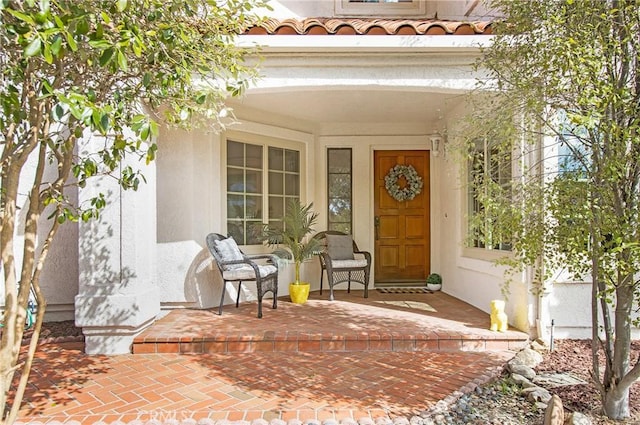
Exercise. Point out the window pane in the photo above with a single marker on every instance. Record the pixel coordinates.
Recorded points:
(254, 181)
(339, 185)
(254, 232)
(254, 156)
(235, 206)
(235, 180)
(341, 227)
(292, 161)
(235, 229)
(276, 159)
(339, 161)
(276, 183)
(253, 207)
(276, 206)
(292, 184)
(235, 154)
(340, 211)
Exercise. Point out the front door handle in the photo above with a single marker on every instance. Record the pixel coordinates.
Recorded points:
(376, 222)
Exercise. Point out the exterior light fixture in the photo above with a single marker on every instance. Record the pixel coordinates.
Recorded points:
(436, 144)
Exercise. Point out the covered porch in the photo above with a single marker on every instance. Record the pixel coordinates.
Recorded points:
(400, 320)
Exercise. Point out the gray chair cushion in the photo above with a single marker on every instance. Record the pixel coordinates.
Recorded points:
(246, 272)
(340, 247)
(229, 251)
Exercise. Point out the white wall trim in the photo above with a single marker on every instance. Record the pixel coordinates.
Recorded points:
(265, 130)
(462, 44)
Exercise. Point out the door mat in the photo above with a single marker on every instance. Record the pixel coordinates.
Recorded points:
(401, 290)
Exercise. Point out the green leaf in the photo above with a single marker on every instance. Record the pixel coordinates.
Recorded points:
(105, 17)
(58, 112)
(119, 143)
(56, 45)
(105, 124)
(100, 44)
(83, 27)
(46, 87)
(71, 41)
(48, 56)
(144, 133)
(22, 16)
(137, 50)
(121, 5)
(122, 61)
(33, 48)
(106, 56)
(153, 126)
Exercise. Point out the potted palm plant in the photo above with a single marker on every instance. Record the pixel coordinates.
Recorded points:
(294, 243)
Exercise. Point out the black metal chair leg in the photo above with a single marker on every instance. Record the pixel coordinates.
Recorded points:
(224, 289)
(321, 276)
(349, 283)
(238, 296)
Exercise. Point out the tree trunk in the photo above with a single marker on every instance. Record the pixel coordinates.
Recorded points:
(615, 404)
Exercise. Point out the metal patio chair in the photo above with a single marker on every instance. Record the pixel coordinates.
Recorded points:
(235, 266)
(343, 261)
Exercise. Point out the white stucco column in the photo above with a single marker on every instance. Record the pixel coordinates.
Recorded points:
(118, 296)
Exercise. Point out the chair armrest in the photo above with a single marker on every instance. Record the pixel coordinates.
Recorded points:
(326, 261)
(234, 262)
(271, 257)
(366, 254)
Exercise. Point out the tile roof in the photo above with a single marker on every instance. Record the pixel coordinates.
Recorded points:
(368, 26)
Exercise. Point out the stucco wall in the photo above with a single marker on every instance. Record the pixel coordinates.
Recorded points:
(59, 279)
(470, 274)
(568, 304)
(192, 203)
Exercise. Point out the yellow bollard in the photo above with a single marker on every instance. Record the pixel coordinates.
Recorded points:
(499, 321)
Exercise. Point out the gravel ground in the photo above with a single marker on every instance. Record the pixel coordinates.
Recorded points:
(499, 402)
(496, 403)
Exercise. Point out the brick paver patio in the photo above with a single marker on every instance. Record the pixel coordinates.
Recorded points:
(68, 385)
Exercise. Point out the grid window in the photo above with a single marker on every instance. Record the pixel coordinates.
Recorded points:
(489, 178)
(339, 184)
(249, 179)
(284, 183)
(244, 192)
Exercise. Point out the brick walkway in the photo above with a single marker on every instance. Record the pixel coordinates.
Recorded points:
(68, 385)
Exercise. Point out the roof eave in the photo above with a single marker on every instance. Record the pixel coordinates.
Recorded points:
(460, 44)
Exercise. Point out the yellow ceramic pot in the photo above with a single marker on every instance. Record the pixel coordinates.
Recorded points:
(299, 292)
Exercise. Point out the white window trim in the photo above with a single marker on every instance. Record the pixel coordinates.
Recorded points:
(413, 8)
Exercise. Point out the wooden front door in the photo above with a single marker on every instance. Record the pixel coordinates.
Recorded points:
(402, 232)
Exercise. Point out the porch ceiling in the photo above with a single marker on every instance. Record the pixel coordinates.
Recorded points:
(355, 105)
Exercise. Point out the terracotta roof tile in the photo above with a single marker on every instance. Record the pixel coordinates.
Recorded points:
(371, 26)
